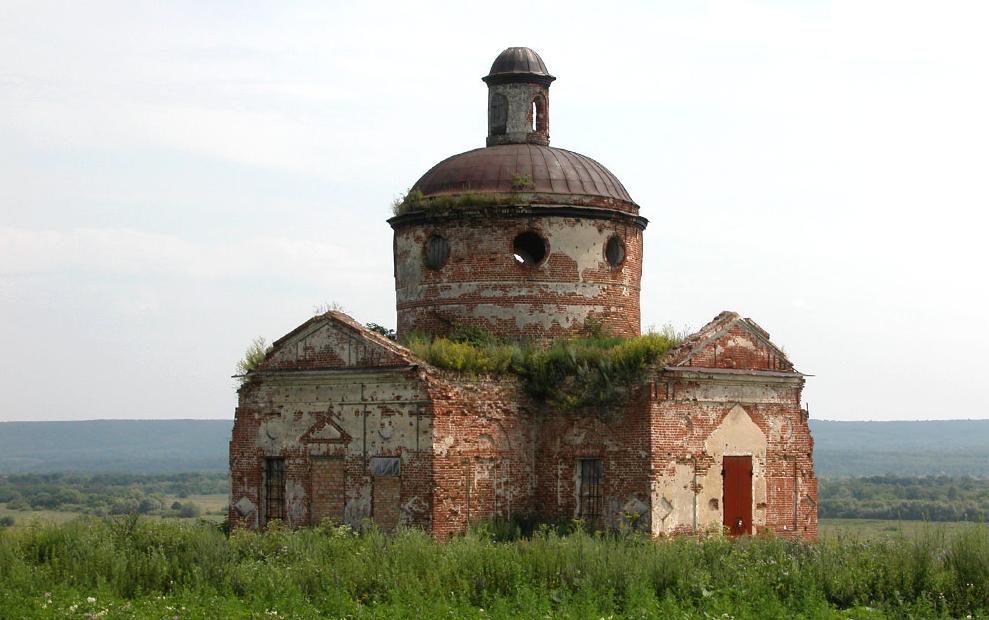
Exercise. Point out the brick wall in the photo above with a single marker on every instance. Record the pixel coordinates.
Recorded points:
(386, 501)
(326, 428)
(696, 422)
(328, 484)
(620, 439)
(474, 448)
(482, 284)
(483, 451)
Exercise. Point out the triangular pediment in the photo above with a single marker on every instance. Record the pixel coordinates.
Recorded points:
(731, 342)
(325, 430)
(334, 341)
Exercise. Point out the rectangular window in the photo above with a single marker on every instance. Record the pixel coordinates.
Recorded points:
(274, 489)
(590, 494)
(386, 466)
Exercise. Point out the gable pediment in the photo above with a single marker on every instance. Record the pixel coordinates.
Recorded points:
(325, 430)
(334, 341)
(732, 342)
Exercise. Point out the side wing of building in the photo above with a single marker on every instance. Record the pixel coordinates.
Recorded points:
(333, 424)
(730, 443)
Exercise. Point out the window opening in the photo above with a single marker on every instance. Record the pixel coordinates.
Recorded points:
(591, 497)
(499, 114)
(437, 251)
(386, 466)
(529, 249)
(274, 489)
(539, 114)
(615, 251)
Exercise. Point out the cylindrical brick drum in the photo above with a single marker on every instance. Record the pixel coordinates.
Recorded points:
(543, 242)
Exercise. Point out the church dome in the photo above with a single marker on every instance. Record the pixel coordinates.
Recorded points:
(530, 168)
(520, 239)
(517, 62)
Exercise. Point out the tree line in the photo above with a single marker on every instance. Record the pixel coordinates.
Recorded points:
(110, 494)
(929, 498)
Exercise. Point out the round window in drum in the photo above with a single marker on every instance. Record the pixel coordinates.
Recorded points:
(614, 251)
(529, 249)
(437, 251)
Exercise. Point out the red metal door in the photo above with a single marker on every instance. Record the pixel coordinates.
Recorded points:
(737, 484)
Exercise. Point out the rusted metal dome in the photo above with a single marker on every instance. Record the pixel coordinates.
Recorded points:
(526, 167)
(518, 64)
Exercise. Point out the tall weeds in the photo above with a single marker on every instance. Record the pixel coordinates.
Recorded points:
(138, 568)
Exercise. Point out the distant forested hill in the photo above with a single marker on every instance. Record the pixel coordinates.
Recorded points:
(916, 448)
(955, 447)
(132, 446)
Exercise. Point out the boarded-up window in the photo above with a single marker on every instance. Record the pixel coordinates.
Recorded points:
(386, 466)
(437, 251)
(386, 491)
(274, 489)
(590, 498)
(328, 488)
(499, 114)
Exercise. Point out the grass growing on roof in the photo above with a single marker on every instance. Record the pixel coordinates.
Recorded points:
(593, 370)
(414, 200)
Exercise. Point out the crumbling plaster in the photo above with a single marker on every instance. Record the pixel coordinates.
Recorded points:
(482, 283)
(518, 121)
(708, 415)
(356, 416)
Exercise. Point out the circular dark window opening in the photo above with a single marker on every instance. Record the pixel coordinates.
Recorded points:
(614, 251)
(529, 249)
(437, 251)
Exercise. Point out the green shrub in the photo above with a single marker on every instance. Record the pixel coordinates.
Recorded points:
(254, 355)
(571, 373)
(190, 510)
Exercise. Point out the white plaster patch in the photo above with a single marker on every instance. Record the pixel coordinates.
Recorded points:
(245, 506)
(298, 506)
(278, 432)
(673, 499)
(328, 432)
(442, 447)
(737, 435)
(413, 507)
(358, 506)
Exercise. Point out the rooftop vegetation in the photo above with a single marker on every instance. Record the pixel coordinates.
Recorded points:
(415, 201)
(591, 370)
(254, 355)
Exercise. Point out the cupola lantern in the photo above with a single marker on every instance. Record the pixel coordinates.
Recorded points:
(518, 98)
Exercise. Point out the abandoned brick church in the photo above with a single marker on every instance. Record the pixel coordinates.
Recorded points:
(530, 243)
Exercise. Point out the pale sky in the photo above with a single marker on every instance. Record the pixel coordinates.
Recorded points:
(178, 178)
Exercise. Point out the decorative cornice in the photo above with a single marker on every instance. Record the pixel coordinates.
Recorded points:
(419, 216)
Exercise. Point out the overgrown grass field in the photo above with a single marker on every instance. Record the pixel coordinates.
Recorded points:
(866, 529)
(142, 568)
